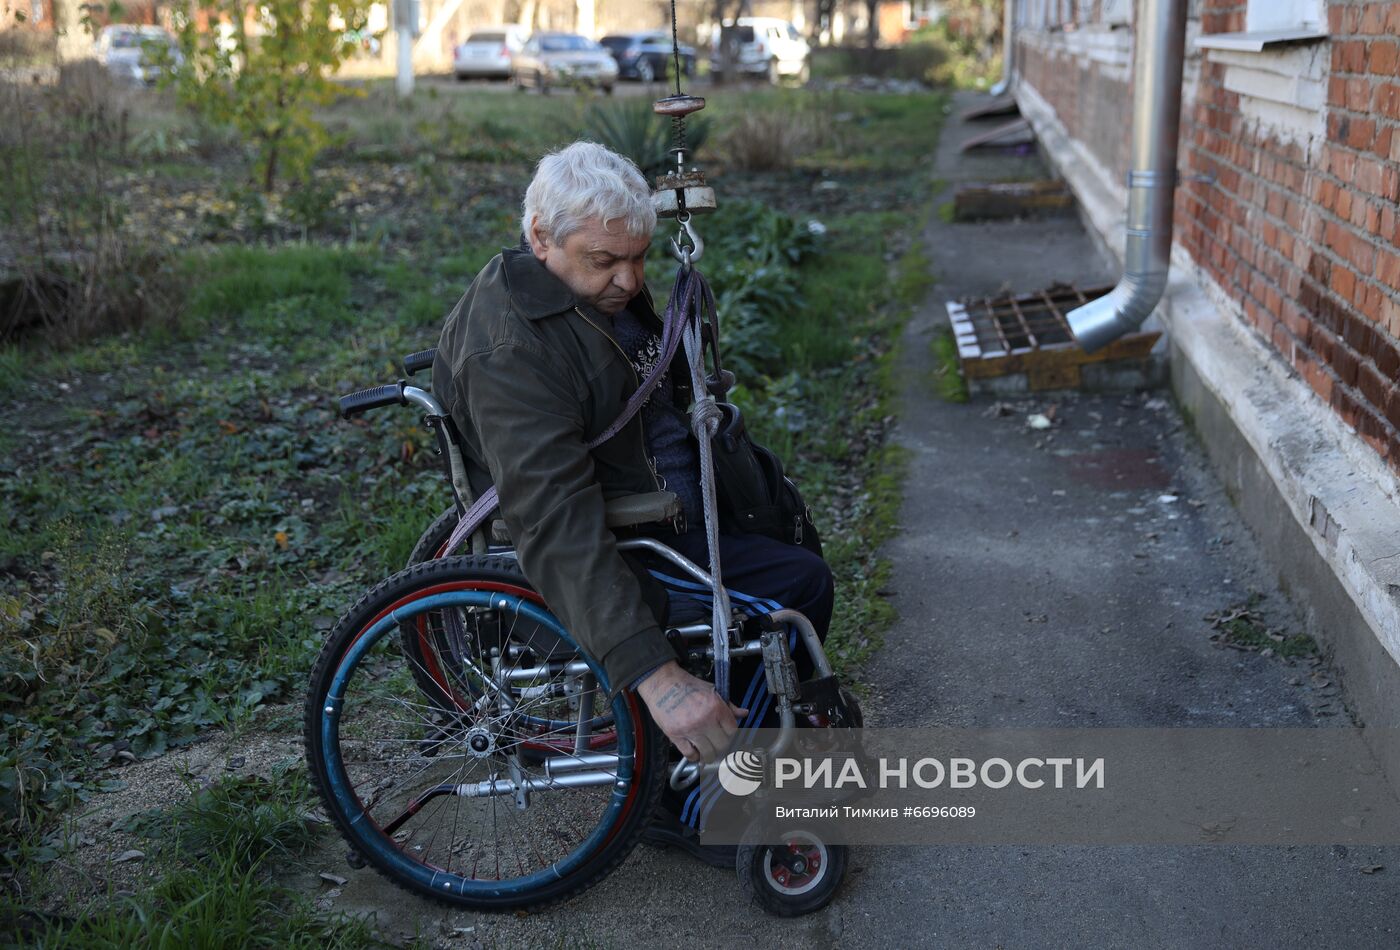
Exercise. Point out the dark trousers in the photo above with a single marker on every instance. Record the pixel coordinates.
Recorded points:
(761, 575)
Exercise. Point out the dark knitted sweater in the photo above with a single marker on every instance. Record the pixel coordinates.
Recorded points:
(666, 425)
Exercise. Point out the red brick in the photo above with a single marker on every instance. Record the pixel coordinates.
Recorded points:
(1370, 302)
(1385, 141)
(1336, 91)
(1343, 281)
(1359, 335)
(1344, 361)
(1341, 164)
(1387, 269)
(1353, 57)
(1373, 19)
(1361, 133)
(1342, 204)
(1392, 406)
(1385, 100)
(1344, 405)
(1390, 315)
(1358, 95)
(1372, 385)
(1321, 381)
(1324, 344)
(1381, 58)
(1387, 359)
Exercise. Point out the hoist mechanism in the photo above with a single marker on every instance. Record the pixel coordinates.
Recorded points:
(681, 192)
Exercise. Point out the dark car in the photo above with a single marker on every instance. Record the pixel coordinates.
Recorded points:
(647, 56)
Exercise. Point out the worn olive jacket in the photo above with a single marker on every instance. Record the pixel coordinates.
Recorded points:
(529, 377)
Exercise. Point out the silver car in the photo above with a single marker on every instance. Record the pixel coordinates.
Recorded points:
(125, 49)
(488, 53)
(563, 59)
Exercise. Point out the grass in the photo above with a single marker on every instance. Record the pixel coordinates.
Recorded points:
(947, 368)
(218, 850)
(199, 505)
(1242, 627)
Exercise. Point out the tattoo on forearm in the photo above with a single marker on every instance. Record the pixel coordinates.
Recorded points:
(673, 697)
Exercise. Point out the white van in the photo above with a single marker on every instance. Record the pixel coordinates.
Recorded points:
(763, 46)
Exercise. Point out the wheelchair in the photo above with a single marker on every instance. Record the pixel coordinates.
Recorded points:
(467, 749)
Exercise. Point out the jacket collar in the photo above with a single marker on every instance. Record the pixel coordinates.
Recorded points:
(536, 293)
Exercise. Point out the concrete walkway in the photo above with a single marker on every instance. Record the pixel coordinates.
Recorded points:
(1040, 581)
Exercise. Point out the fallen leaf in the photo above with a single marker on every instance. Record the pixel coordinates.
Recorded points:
(132, 855)
(232, 428)
(335, 879)
(1371, 868)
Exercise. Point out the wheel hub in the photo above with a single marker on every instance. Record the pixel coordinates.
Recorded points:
(480, 742)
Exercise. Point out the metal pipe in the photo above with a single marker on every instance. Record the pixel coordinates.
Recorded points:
(1159, 54)
(504, 786)
(1008, 49)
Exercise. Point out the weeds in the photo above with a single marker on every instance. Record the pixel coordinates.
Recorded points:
(78, 270)
(763, 141)
(1241, 627)
(947, 367)
(221, 845)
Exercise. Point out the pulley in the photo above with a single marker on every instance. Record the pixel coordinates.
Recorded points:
(681, 191)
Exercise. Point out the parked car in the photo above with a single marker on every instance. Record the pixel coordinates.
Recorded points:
(125, 50)
(647, 56)
(763, 46)
(488, 52)
(551, 59)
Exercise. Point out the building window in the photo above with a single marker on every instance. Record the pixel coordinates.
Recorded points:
(1268, 15)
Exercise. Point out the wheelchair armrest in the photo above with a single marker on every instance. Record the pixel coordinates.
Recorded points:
(628, 510)
(624, 511)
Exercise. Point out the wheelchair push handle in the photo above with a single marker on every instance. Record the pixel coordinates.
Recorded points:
(367, 399)
(415, 363)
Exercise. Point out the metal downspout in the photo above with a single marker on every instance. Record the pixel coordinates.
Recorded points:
(1008, 24)
(1160, 43)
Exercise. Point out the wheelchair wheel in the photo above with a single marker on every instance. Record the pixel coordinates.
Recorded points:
(798, 875)
(414, 637)
(441, 798)
(431, 541)
(440, 633)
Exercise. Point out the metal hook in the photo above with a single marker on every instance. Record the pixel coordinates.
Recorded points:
(687, 255)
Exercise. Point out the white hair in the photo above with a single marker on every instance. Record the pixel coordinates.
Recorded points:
(586, 180)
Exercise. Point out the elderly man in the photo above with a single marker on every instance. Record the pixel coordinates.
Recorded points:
(537, 359)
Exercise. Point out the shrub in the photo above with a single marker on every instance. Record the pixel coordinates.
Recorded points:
(632, 129)
(766, 142)
(76, 269)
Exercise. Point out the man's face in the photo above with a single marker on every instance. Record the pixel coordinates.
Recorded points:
(603, 268)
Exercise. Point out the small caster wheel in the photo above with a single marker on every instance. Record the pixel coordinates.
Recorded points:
(852, 716)
(353, 859)
(798, 876)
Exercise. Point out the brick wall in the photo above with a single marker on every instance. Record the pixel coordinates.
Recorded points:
(1300, 229)
(1094, 105)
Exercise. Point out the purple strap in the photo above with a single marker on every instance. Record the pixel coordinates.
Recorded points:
(679, 306)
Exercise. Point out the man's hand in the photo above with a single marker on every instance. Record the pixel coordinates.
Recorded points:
(690, 712)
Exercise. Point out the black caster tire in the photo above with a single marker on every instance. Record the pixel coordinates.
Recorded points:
(797, 877)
